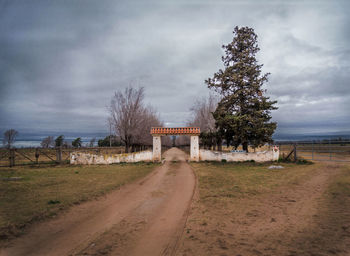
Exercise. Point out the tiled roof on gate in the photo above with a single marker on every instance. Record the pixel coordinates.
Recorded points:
(175, 131)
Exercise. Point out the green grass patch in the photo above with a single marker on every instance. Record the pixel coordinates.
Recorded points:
(44, 191)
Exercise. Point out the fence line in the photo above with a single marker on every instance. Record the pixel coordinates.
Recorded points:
(31, 156)
(336, 151)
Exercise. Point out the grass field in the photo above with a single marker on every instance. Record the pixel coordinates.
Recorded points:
(220, 182)
(42, 192)
(248, 209)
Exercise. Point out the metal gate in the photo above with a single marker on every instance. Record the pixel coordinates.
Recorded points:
(325, 150)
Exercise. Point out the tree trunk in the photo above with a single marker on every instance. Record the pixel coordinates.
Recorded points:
(126, 147)
(219, 145)
(245, 146)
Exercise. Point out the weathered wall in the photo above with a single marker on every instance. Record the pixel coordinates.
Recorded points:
(157, 148)
(194, 153)
(266, 156)
(87, 158)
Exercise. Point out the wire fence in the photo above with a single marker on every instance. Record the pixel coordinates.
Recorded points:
(326, 150)
(34, 156)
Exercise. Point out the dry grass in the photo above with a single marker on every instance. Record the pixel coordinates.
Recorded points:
(247, 209)
(220, 181)
(43, 192)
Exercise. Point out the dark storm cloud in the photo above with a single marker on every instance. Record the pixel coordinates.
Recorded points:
(61, 61)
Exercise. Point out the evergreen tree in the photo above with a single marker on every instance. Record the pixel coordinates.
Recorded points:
(106, 142)
(76, 143)
(59, 141)
(243, 114)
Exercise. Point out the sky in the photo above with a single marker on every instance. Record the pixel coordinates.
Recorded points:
(62, 61)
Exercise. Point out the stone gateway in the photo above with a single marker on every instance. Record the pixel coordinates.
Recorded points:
(158, 132)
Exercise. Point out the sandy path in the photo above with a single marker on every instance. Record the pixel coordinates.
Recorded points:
(144, 218)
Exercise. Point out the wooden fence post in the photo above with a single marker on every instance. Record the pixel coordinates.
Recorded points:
(12, 157)
(37, 155)
(295, 152)
(59, 154)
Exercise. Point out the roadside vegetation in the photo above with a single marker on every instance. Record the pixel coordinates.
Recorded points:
(29, 194)
(249, 209)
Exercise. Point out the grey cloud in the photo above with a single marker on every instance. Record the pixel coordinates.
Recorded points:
(60, 62)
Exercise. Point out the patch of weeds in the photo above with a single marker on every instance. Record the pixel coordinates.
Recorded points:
(299, 161)
(283, 160)
(223, 161)
(304, 162)
(53, 202)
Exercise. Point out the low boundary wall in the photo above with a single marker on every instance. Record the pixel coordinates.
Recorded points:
(265, 156)
(87, 158)
(147, 156)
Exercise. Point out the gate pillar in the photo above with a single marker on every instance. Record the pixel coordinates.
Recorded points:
(157, 149)
(194, 155)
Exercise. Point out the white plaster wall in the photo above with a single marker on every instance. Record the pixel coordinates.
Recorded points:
(194, 148)
(87, 158)
(265, 156)
(157, 148)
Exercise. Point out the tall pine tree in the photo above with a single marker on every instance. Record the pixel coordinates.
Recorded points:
(243, 115)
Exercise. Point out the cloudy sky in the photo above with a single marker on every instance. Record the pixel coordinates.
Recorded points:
(61, 61)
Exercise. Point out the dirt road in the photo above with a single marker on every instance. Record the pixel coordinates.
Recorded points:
(145, 218)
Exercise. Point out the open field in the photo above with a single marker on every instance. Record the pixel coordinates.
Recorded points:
(247, 209)
(44, 191)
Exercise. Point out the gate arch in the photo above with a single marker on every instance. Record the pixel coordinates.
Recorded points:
(158, 132)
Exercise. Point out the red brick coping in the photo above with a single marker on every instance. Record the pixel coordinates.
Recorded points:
(175, 131)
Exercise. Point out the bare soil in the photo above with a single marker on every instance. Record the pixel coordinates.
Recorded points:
(144, 218)
(310, 216)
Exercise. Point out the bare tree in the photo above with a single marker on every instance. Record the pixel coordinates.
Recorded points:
(92, 142)
(9, 138)
(202, 113)
(202, 116)
(130, 119)
(149, 119)
(183, 140)
(126, 112)
(47, 142)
